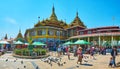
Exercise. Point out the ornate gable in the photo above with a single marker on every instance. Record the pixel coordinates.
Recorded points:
(77, 22)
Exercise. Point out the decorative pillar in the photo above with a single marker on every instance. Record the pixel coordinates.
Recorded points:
(112, 41)
(99, 40)
(103, 39)
(46, 35)
(46, 31)
(88, 39)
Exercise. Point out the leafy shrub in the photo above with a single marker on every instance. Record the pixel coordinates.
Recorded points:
(43, 52)
(26, 52)
(17, 51)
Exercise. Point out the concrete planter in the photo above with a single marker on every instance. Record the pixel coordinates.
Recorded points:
(30, 57)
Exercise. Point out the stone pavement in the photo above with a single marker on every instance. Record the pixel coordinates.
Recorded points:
(101, 62)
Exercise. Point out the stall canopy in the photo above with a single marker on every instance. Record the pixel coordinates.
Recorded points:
(18, 42)
(68, 43)
(27, 44)
(81, 42)
(38, 44)
(4, 42)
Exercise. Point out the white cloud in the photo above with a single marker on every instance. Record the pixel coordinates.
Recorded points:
(10, 20)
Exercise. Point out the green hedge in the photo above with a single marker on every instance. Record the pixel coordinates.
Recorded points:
(26, 52)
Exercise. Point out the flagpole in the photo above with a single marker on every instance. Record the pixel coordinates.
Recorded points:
(113, 18)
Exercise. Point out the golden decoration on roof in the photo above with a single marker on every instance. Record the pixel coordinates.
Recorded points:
(52, 21)
(77, 22)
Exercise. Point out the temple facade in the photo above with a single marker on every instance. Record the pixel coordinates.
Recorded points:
(53, 32)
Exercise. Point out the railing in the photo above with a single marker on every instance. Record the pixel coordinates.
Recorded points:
(98, 34)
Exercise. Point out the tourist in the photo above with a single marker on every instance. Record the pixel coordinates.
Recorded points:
(63, 50)
(80, 55)
(92, 52)
(37, 67)
(68, 52)
(75, 50)
(59, 51)
(111, 61)
(114, 54)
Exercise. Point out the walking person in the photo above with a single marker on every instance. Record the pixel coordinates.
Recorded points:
(92, 52)
(68, 52)
(111, 62)
(114, 53)
(59, 51)
(75, 50)
(80, 55)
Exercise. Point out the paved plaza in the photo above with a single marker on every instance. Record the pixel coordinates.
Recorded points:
(7, 61)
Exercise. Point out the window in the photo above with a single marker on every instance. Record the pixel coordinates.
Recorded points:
(32, 33)
(81, 33)
(58, 33)
(43, 32)
(89, 32)
(39, 32)
(50, 32)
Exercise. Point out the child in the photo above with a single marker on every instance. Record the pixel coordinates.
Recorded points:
(111, 62)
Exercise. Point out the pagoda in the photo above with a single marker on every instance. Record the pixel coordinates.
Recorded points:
(75, 26)
(20, 37)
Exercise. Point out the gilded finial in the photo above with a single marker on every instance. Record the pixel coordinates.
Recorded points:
(38, 18)
(77, 13)
(53, 9)
(19, 30)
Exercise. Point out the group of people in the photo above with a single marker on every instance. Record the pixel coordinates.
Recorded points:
(78, 51)
(63, 50)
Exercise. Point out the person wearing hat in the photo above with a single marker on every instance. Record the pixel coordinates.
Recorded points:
(114, 53)
(92, 52)
(80, 55)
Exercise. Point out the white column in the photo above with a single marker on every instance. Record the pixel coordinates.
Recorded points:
(99, 40)
(112, 41)
(88, 39)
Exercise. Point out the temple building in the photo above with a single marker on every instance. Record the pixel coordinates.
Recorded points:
(53, 31)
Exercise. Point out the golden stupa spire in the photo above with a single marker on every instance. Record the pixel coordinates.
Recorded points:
(53, 17)
(19, 34)
(19, 30)
(77, 14)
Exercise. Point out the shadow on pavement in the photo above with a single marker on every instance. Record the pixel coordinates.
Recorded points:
(87, 64)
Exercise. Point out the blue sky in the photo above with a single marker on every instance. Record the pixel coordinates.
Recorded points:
(23, 14)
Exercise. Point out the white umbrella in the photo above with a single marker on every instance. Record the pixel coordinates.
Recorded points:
(4, 42)
(27, 44)
(18, 42)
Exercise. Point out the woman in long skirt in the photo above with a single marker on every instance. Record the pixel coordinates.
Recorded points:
(80, 55)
